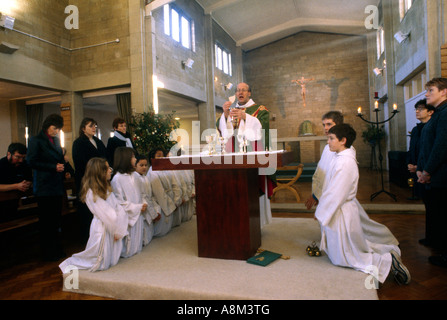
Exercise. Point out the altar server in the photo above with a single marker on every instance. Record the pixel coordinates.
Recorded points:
(191, 192)
(162, 190)
(152, 215)
(109, 224)
(126, 190)
(349, 237)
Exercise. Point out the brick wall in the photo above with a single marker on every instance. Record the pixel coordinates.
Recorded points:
(338, 64)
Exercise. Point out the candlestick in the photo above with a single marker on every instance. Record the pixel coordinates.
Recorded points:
(376, 123)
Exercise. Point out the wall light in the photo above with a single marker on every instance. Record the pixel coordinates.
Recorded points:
(227, 86)
(401, 37)
(188, 63)
(377, 71)
(6, 22)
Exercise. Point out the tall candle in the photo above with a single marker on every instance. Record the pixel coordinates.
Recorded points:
(376, 105)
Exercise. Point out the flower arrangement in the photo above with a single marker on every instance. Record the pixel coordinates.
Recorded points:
(152, 130)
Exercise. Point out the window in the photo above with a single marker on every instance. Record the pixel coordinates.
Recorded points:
(223, 60)
(380, 42)
(404, 6)
(415, 85)
(179, 27)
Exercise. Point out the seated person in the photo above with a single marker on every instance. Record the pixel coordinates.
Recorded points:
(15, 175)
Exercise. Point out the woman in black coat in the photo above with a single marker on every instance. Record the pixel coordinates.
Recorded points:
(84, 148)
(46, 158)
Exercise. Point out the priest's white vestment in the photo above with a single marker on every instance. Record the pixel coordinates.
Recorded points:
(349, 237)
(251, 128)
(102, 250)
(129, 195)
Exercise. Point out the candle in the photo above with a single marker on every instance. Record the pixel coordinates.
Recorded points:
(395, 107)
(359, 110)
(376, 95)
(376, 105)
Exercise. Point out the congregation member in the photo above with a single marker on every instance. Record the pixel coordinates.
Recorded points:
(152, 215)
(348, 236)
(329, 120)
(432, 167)
(109, 223)
(46, 158)
(85, 147)
(15, 175)
(121, 138)
(252, 121)
(126, 190)
(423, 114)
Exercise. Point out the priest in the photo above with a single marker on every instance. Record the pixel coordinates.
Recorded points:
(252, 121)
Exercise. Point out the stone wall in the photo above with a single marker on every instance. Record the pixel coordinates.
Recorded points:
(338, 65)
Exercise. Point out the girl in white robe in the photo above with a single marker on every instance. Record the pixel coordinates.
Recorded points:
(109, 224)
(126, 190)
(152, 214)
(162, 190)
(349, 237)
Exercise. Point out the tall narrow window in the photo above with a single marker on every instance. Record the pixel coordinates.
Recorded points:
(223, 60)
(179, 27)
(175, 25)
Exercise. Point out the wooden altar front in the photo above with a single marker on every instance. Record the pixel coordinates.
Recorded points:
(227, 199)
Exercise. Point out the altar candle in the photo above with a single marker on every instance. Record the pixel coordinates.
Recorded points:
(376, 105)
(376, 95)
(359, 110)
(395, 107)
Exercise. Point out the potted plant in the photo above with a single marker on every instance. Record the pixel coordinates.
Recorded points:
(153, 131)
(372, 134)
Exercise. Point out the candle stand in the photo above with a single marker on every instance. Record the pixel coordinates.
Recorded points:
(377, 123)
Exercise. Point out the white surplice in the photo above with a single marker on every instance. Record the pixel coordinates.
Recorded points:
(321, 172)
(153, 208)
(191, 191)
(349, 237)
(128, 193)
(102, 251)
(163, 193)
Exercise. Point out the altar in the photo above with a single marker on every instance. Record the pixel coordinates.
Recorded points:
(227, 199)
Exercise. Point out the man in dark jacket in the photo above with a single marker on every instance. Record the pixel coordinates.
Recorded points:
(423, 114)
(432, 166)
(46, 158)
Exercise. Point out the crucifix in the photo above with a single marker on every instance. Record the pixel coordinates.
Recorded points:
(302, 82)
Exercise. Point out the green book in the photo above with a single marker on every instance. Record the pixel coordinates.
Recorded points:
(264, 258)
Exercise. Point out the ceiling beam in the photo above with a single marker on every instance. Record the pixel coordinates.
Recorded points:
(301, 23)
(220, 5)
(155, 5)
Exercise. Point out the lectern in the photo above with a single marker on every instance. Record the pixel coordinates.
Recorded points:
(227, 199)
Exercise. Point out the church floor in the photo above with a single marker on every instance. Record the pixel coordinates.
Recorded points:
(23, 276)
